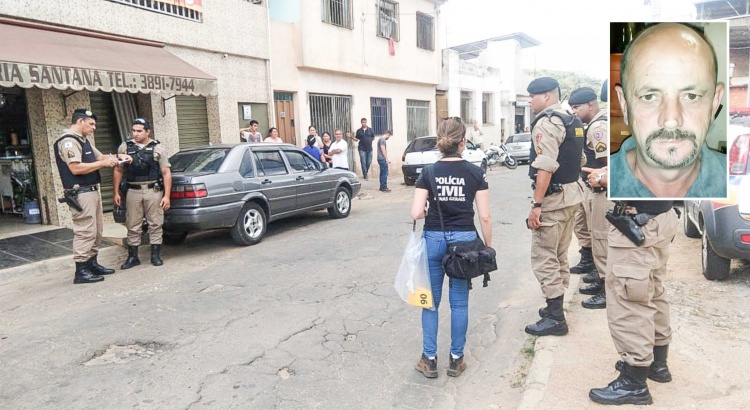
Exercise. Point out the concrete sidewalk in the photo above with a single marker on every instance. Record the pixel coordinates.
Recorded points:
(708, 355)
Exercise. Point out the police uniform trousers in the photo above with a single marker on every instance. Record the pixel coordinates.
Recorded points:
(637, 306)
(87, 226)
(142, 203)
(582, 228)
(598, 205)
(549, 250)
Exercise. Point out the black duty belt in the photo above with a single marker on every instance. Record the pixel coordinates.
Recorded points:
(83, 189)
(553, 188)
(144, 186)
(593, 189)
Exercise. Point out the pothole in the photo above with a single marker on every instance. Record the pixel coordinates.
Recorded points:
(350, 337)
(284, 373)
(126, 353)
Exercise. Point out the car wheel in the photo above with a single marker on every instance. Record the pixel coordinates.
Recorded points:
(714, 266)
(691, 231)
(511, 162)
(173, 238)
(408, 181)
(250, 226)
(342, 204)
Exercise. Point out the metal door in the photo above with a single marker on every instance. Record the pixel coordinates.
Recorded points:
(106, 140)
(192, 121)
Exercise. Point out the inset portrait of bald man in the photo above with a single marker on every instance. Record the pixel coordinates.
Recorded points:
(669, 95)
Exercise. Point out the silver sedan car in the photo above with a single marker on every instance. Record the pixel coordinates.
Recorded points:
(245, 186)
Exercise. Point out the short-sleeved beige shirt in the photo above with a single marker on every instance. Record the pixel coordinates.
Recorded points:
(160, 153)
(71, 148)
(596, 135)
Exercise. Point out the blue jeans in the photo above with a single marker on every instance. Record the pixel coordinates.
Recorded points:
(365, 157)
(458, 294)
(383, 173)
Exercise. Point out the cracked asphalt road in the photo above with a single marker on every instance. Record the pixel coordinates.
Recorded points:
(308, 318)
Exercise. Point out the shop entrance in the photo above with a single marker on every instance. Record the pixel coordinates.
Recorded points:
(19, 200)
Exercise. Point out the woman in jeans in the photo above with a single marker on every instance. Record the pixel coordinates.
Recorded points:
(460, 184)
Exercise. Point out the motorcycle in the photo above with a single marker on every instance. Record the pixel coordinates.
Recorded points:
(497, 154)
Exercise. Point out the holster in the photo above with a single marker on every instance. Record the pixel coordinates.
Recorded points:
(553, 188)
(124, 188)
(628, 226)
(69, 197)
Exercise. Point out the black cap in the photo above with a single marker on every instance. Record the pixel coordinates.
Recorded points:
(581, 96)
(605, 90)
(82, 113)
(542, 85)
(311, 140)
(142, 121)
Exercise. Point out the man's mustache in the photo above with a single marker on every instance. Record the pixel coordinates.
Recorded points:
(664, 134)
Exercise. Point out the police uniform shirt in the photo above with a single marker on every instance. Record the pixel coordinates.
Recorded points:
(546, 137)
(71, 148)
(160, 153)
(596, 136)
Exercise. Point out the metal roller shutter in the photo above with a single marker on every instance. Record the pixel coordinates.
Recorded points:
(106, 139)
(192, 121)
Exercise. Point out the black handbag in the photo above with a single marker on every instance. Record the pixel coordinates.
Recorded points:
(464, 260)
(119, 214)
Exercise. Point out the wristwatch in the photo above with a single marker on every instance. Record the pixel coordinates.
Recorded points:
(535, 204)
(598, 178)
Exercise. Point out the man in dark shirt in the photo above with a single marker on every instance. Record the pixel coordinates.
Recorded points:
(365, 136)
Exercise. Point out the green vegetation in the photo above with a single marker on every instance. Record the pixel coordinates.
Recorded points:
(569, 81)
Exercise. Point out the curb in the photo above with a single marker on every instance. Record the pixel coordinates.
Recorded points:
(62, 265)
(544, 355)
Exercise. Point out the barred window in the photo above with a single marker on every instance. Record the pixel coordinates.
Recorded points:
(388, 19)
(337, 12)
(488, 108)
(166, 7)
(417, 119)
(382, 118)
(425, 32)
(331, 112)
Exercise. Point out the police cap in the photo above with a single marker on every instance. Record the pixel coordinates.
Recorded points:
(82, 113)
(142, 121)
(542, 85)
(605, 90)
(582, 96)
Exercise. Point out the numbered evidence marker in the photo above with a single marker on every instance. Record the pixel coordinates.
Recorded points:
(421, 298)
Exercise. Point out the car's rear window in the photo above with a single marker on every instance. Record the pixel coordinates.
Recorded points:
(208, 160)
(522, 137)
(422, 144)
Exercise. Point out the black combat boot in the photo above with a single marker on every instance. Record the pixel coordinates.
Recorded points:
(85, 275)
(155, 255)
(132, 259)
(99, 269)
(592, 288)
(586, 264)
(629, 388)
(659, 372)
(552, 323)
(598, 301)
(591, 277)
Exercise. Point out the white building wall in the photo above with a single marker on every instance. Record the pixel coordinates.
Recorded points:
(311, 56)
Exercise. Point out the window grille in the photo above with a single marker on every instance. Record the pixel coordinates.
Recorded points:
(388, 19)
(417, 119)
(425, 31)
(331, 112)
(165, 7)
(337, 12)
(380, 109)
(466, 107)
(487, 109)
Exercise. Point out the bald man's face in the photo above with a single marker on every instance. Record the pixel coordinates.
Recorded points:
(670, 95)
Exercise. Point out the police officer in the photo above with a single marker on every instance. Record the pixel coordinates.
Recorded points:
(78, 162)
(555, 158)
(149, 183)
(584, 103)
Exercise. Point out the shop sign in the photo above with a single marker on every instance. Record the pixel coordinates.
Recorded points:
(61, 78)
